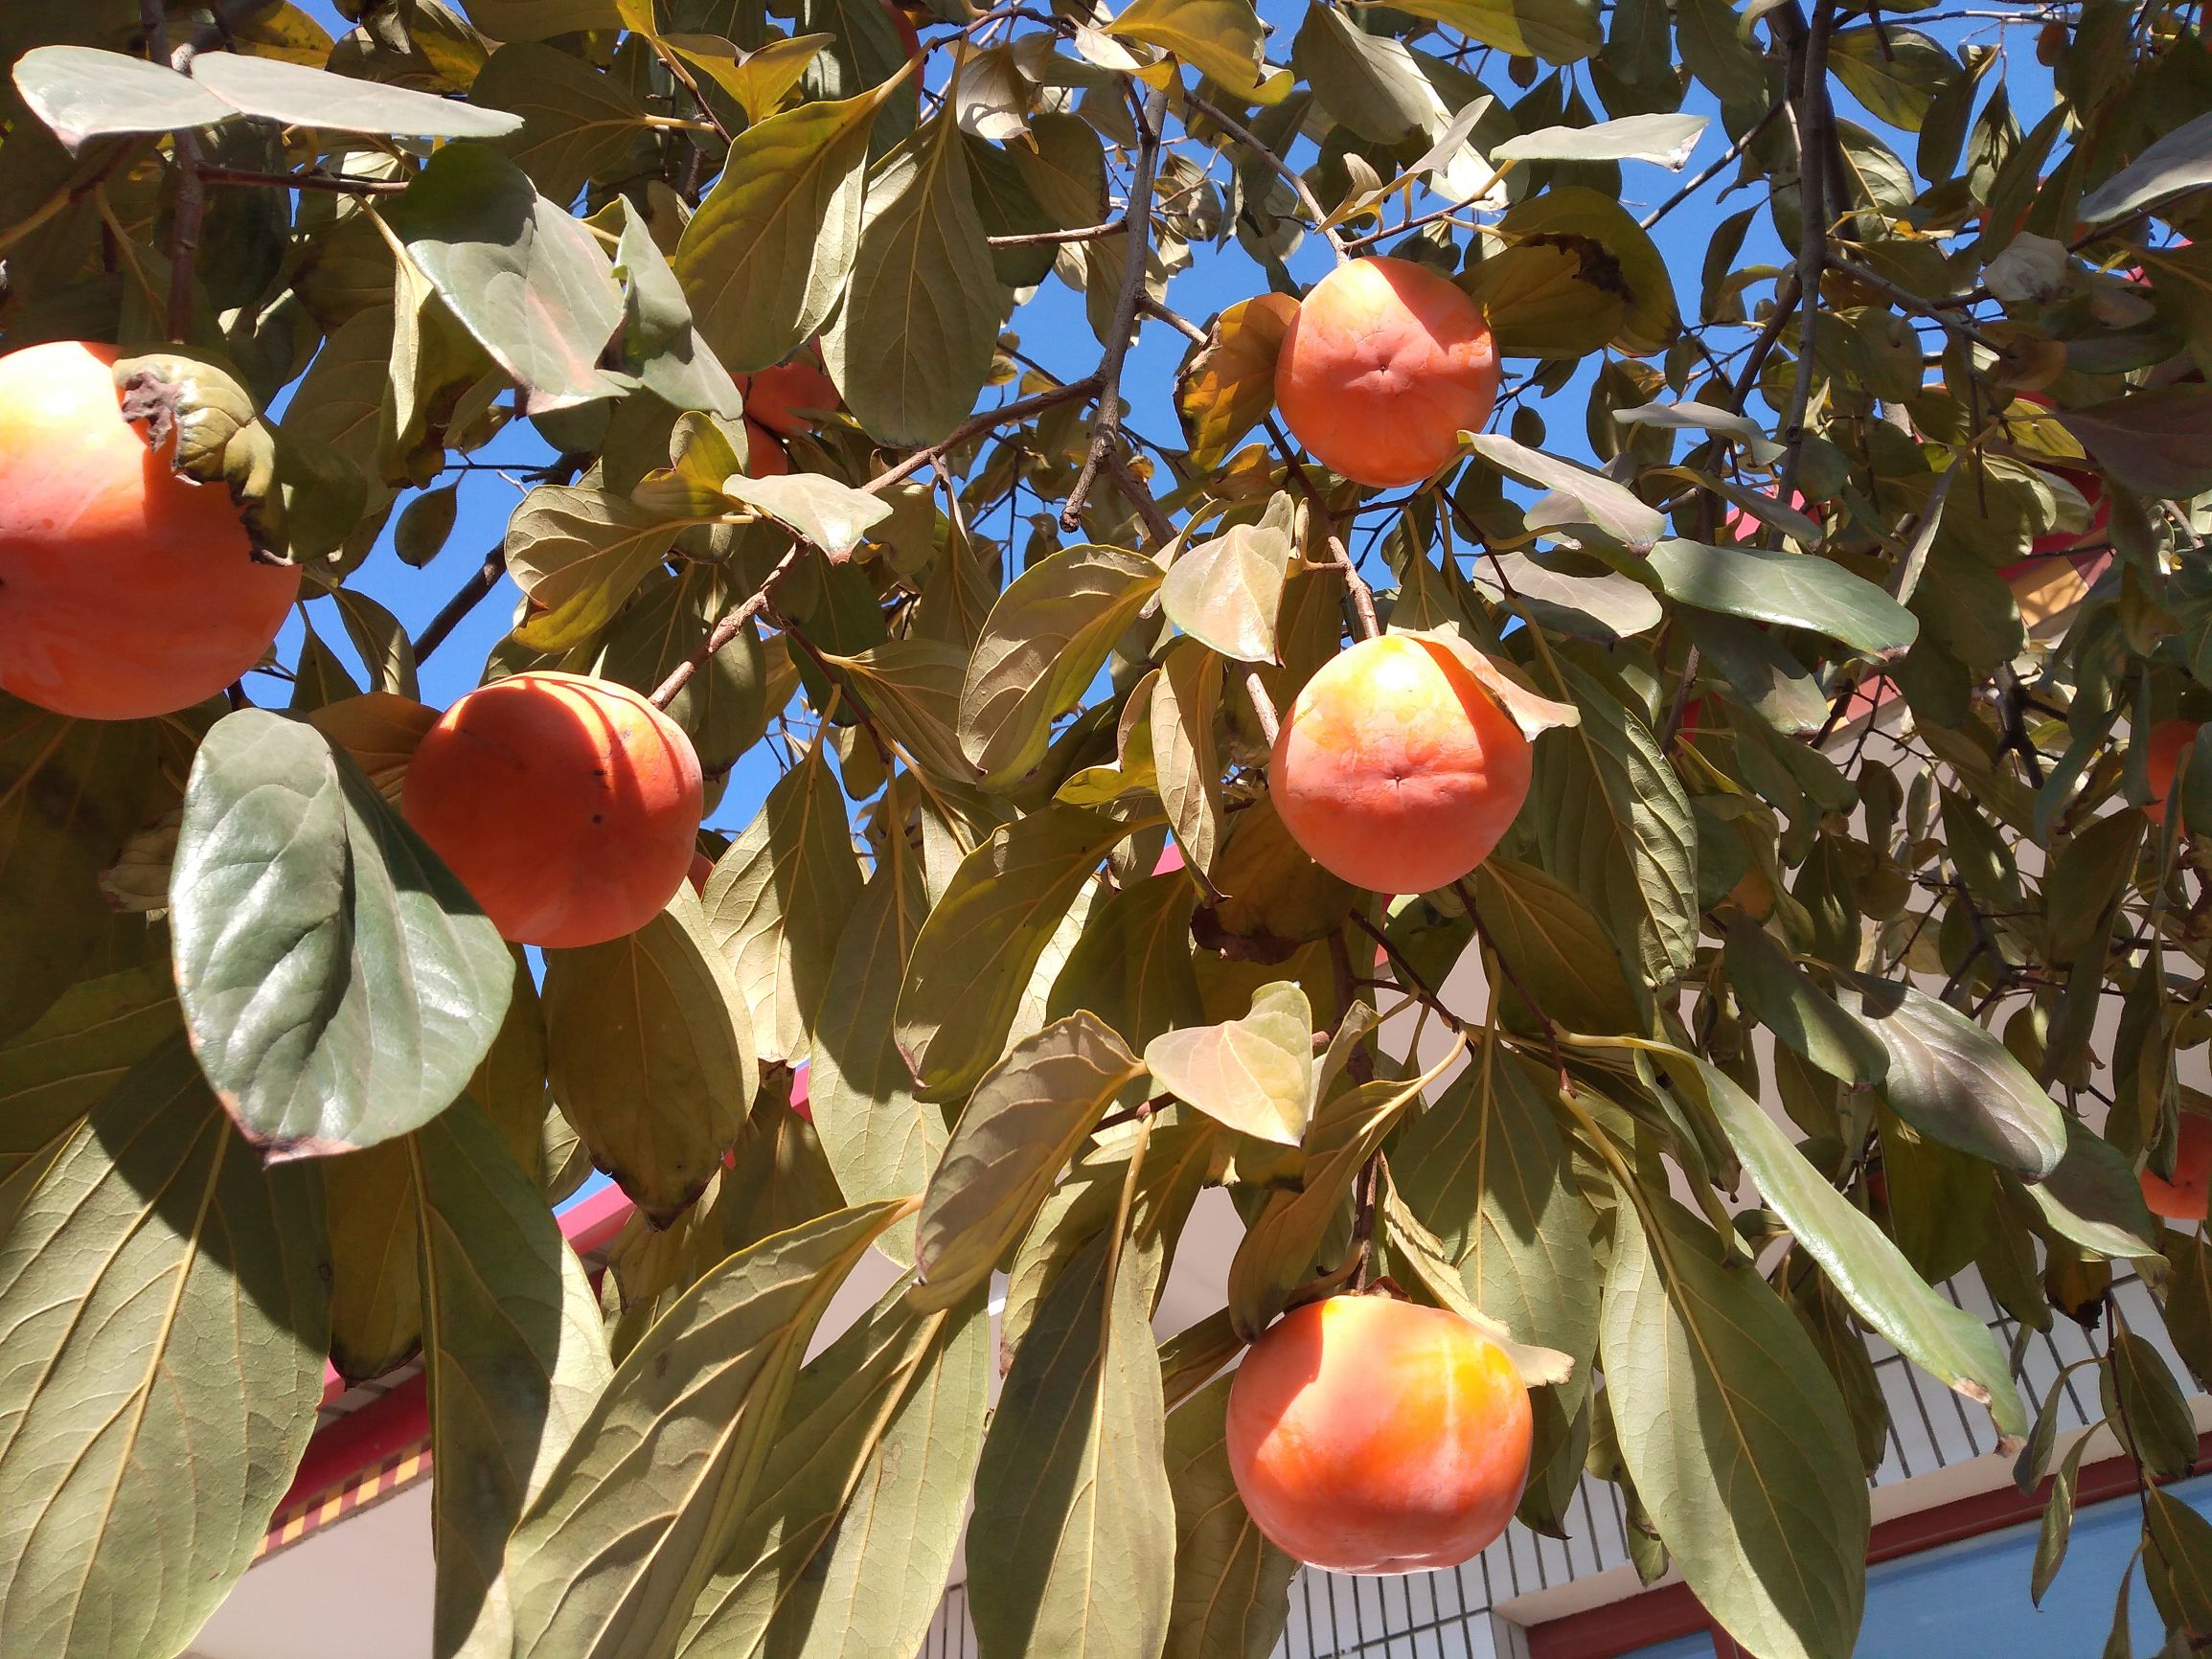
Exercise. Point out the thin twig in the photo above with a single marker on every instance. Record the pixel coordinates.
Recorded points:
(1045, 238)
(1005, 415)
(1698, 183)
(1284, 171)
(1935, 311)
(1105, 425)
(486, 577)
(304, 181)
(731, 624)
(1355, 587)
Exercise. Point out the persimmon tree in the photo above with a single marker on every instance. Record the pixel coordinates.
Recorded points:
(1734, 774)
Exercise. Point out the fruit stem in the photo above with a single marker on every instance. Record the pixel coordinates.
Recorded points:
(1355, 587)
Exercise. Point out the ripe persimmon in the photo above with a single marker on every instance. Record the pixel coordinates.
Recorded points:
(569, 807)
(765, 457)
(1395, 769)
(1367, 1435)
(2167, 740)
(1384, 365)
(2184, 1198)
(126, 591)
(789, 398)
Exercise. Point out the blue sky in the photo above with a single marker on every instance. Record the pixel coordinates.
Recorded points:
(1054, 332)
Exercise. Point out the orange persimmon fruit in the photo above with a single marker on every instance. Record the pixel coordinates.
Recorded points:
(569, 807)
(1395, 769)
(1384, 365)
(1367, 1435)
(126, 591)
(790, 399)
(2167, 740)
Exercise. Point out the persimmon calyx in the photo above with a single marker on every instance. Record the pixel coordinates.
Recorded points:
(212, 433)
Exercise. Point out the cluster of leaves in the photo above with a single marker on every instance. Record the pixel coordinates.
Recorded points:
(1832, 823)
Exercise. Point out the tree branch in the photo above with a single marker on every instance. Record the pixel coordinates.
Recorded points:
(1005, 415)
(1106, 432)
(1816, 128)
(1706, 177)
(1046, 238)
(726, 629)
(242, 175)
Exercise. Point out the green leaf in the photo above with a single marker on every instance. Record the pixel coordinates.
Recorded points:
(913, 692)
(1072, 1543)
(1896, 72)
(299, 95)
(1555, 946)
(1611, 819)
(1254, 1074)
(542, 19)
(880, 1137)
(1047, 636)
(1736, 1437)
(651, 1055)
(1618, 258)
(1591, 498)
(1950, 1345)
(669, 1460)
(758, 80)
(1024, 1121)
(2058, 1523)
(660, 343)
(339, 985)
(2157, 443)
(1227, 591)
(516, 1353)
(72, 793)
(778, 899)
(1485, 1171)
(848, 1545)
(72, 1056)
(1185, 702)
(530, 283)
(1556, 31)
(162, 1316)
(1369, 83)
(2154, 1417)
(911, 345)
(2180, 160)
(1219, 38)
(1232, 1585)
(580, 554)
(2177, 1566)
(1663, 140)
(1779, 994)
(1349, 1122)
(2093, 1199)
(768, 254)
(1133, 966)
(576, 122)
(832, 517)
(1953, 1079)
(81, 92)
(1794, 589)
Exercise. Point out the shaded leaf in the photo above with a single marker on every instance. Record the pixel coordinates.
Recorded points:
(1025, 1120)
(779, 898)
(339, 985)
(670, 1455)
(162, 1318)
(651, 1056)
(1738, 1441)
(1797, 590)
(1232, 1585)
(1046, 637)
(1072, 1542)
